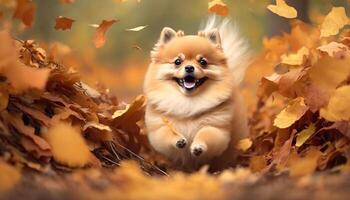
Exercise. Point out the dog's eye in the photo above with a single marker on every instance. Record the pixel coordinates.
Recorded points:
(203, 62)
(178, 61)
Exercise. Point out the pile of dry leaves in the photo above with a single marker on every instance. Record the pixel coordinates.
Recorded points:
(61, 138)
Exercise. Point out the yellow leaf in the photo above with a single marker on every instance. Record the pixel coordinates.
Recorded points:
(9, 176)
(244, 144)
(139, 28)
(283, 9)
(295, 109)
(218, 7)
(68, 145)
(334, 21)
(338, 107)
(305, 135)
(298, 58)
(329, 72)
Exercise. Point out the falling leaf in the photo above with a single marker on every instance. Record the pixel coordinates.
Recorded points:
(295, 109)
(334, 49)
(304, 135)
(218, 7)
(99, 37)
(139, 28)
(25, 11)
(334, 21)
(283, 9)
(298, 58)
(338, 108)
(63, 23)
(244, 144)
(9, 176)
(68, 146)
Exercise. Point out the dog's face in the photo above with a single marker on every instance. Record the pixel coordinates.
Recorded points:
(188, 69)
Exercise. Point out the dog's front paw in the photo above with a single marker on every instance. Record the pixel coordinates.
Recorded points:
(181, 143)
(198, 149)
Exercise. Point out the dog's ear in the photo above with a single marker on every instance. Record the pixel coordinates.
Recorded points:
(213, 36)
(166, 35)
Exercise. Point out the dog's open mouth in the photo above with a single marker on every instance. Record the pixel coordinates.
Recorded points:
(190, 82)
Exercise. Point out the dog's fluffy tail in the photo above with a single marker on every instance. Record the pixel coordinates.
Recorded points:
(234, 46)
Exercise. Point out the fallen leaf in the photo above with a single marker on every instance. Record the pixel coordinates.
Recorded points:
(295, 109)
(304, 135)
(334, 21)
(334, 49)
(9, 176)
(302, 166)
(130, 108)
(67, 1)
(338, 108)
(329, 72)
(99, 37)
(244, 144)
(218, 7)
(298, 58)
(25, 11)
(63, 23)
(283, 9)
(139, 28)
(67, 144)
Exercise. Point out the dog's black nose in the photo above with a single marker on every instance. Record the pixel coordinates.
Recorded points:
(189, 69)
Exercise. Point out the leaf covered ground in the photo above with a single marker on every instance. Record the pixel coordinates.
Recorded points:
(61, 138)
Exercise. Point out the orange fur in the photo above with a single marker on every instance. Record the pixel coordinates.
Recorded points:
(211, 118)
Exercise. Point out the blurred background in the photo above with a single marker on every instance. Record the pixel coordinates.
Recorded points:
(121, 63)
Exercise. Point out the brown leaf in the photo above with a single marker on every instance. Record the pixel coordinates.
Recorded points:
(99, 37)
(25, 11)
(334, 49)
(63, 23)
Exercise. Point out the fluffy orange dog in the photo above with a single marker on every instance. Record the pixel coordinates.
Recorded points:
(195, 114)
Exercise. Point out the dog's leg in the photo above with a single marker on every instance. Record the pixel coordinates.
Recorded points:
(209, 142)
(165, 140)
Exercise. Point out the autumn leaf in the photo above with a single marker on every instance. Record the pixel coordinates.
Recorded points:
(9, 176)
(304, 135)
(244, 144)
(334, 21)
(130, 108)
(25, 11)
(334, 49)
(302, 166)
(329, 72)
(298, 58)
(63, 23)
(295, 109)
(99, 37)
(136, 29)
(67, 1)
(283, 9)
(338, 108)
(218, 7)
(4, 99)
(67, 144)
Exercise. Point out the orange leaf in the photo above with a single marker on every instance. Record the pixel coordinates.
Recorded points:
(283, 9)
(63, 23)
(218, 7)
(25, 11)
(99, 37)
(68, 146)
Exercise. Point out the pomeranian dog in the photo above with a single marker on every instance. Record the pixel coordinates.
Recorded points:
(195, 114)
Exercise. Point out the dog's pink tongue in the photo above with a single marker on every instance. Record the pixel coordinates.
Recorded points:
(189, 85)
